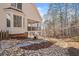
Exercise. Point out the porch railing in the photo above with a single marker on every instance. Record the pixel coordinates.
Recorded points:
(34, 28)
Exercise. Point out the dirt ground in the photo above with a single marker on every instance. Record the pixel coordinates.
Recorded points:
(65, 43)
(59, 47)
(59, 42)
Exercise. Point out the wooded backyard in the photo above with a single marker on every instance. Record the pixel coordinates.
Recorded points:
(62, 20)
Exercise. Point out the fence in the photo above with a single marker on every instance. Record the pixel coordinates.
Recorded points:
(4, 35)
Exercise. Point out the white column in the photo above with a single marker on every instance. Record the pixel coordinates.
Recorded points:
(12, 23)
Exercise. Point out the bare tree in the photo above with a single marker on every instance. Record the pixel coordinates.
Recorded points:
(63, 19)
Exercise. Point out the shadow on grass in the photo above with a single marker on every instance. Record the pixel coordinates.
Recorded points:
(38, 46)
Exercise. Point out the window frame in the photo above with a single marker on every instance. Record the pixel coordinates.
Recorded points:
(13, 5)
(16, 21)
(8, 22)
(17, 5)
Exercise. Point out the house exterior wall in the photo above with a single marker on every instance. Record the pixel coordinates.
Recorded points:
(29, 12)
(2, 16)
(12, 29)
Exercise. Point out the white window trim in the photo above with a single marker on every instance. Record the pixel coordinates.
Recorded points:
(15, 6)
(21, 20)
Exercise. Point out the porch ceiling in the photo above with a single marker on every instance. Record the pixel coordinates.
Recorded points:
(33, 21)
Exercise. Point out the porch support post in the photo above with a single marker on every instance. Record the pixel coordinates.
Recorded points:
(40, 28)
(37, 26)
(31, 30)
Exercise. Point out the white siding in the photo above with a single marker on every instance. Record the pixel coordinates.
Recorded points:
(29, 12)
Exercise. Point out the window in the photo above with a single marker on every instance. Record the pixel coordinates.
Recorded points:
(19, 6)
(8, 22)
(13, 4)
(17, 21)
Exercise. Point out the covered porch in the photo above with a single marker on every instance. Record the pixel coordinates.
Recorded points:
(33, 28)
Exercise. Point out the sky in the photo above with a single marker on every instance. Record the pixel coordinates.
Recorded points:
(42, 8)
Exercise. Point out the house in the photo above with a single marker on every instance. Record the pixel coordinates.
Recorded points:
(20, 18)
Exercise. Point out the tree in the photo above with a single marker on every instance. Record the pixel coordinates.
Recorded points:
(63, 19)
